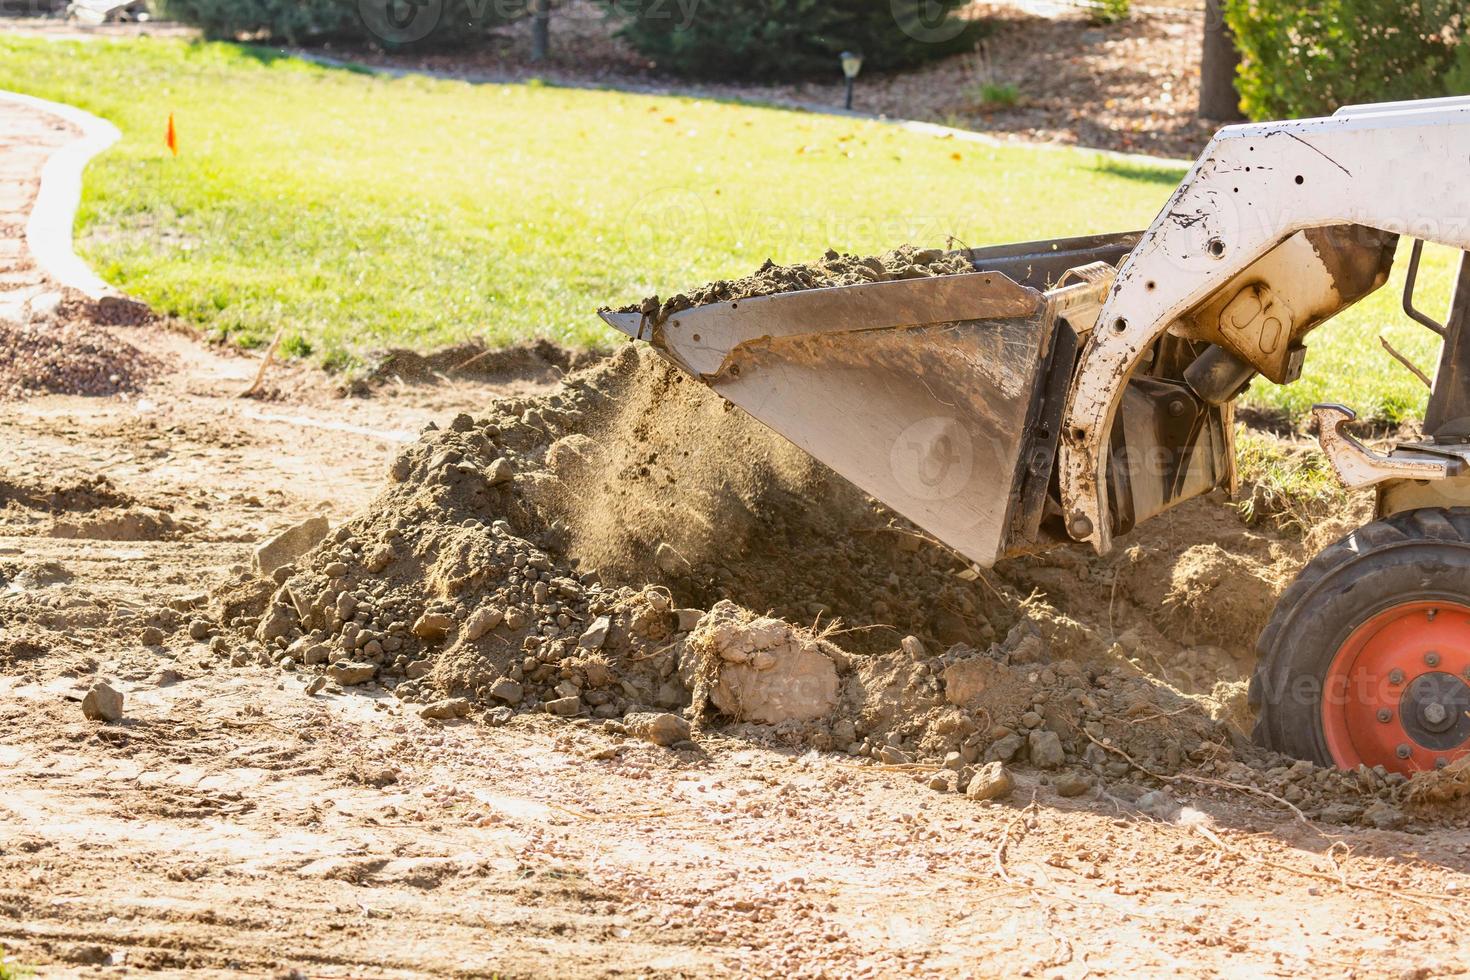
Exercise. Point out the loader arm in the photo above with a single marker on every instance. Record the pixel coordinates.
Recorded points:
(1276, 228)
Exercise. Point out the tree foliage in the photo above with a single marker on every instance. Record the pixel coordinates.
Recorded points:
(1306, 59)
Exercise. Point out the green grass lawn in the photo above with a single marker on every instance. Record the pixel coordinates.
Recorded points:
(364, 212)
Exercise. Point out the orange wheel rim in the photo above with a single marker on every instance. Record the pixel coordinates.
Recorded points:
(1398, 691)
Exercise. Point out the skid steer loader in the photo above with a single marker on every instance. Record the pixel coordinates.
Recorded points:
(1067, 390)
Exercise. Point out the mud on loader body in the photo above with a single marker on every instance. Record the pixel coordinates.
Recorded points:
(1068, 390)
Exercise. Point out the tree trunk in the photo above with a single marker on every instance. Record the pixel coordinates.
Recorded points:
(540, 29)
(1218, 99)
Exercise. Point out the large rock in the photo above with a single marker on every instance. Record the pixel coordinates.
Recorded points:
(445, 710)
(660, 728)
(990, 782)
(350, 673)
(102, 703)
(596, 634)
(1046, 750)
(289, 545)
(764, 670)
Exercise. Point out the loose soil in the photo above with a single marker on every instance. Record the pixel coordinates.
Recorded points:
(834, 269)
(288, 789)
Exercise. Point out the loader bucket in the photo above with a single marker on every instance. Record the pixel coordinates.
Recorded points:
(921, 391)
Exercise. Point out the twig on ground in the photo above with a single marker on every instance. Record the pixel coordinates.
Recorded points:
(270, 356)
(1005, 840)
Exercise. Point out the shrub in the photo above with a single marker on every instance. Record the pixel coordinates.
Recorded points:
(1110, 11)
(789, 38)
(995, 95)
(313, 21)
(1306, 59)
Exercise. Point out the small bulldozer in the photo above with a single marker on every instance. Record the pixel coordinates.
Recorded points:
(1065, 391)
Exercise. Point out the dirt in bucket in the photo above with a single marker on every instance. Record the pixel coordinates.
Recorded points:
(833, 269)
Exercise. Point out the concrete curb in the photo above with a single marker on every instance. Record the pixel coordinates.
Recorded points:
(49, 228)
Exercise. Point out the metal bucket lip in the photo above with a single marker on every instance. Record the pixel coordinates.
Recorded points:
(641, 326)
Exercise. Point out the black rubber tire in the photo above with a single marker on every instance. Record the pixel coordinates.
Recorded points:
(1413, 556)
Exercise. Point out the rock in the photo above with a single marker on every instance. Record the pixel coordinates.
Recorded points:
(102, 703)
(913, 647)
(767, 671)
(1004, 749)
(317, 683)
(891, 755)
(1046, 749)
(445, 710)
(276, 622)
(350, 673)
(315, 653)
(1341, 813)
(1072, 784)
(942, 781)
(564, 707)
(379, 558)
(500, 471)
(1159, 805)
(669, 560)
(151, 637)
(335, 569)
(1384, 816)
(660, 728)
(687, 619)
(432, 627)
(416, 669)
(482, 621)
(990, 782)
(953, 760)
(498, 716)
(199, 629)
(507, 690)
(596, 634)
(289, 545)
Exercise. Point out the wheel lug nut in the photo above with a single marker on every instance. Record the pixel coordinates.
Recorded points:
(1402, 752)
(1396, 676)
(1432, 659)
(1435, 713)
(1384, 715)
(1440, 762)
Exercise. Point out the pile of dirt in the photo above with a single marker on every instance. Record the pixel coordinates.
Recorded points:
(68, 358)
(538, 360)
(629, 545)
(834, 269)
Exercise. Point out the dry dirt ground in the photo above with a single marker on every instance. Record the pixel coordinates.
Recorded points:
(232, 823)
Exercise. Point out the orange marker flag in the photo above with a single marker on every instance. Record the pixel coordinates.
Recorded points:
(172, 139)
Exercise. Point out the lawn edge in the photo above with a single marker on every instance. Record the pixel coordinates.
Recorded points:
(53, 215)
